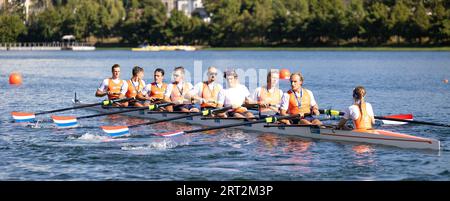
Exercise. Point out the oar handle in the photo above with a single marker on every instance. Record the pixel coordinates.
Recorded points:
(412, 121)
(271, 119)
(331, 112)
(106, 102)
(205, 113)
(150, 107)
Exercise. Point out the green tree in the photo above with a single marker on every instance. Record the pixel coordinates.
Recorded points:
(399, 20)
(327, 20)
(110, 14)
(178, 27)
(145, 22)
(11, 27)
(440, 22)
(376, 24)
(226, 27)
(46, 26)
(355, 15)
(419, 24)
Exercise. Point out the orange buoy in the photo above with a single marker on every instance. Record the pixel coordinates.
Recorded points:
(445, 81)
(15, 78)
(285, 74)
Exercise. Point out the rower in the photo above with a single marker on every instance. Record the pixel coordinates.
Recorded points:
(178, 93)
(360, 112)
(154, 92)
(207, 92)
(269, 97)
(135, 86)
(114, 87)
(235, 95)
(299, 100)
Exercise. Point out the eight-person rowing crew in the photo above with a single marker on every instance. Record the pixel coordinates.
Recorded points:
(269, 99)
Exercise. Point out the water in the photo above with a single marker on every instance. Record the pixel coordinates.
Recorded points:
(396, 82)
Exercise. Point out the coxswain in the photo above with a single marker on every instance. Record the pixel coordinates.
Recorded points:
(360, 112)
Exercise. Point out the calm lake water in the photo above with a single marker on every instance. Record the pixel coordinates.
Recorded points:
(396, 82)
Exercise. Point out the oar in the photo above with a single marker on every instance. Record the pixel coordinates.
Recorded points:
(71, 121)
(117, 131)
(271, 119)
(412, 121)
(29, 116)
(393, 116)
(406, 118)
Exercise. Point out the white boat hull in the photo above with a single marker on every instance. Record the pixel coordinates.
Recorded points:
(367, 136)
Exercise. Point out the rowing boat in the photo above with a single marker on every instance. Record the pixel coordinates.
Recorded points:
(376, 136)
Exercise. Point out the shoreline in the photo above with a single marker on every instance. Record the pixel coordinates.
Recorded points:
(428, 49)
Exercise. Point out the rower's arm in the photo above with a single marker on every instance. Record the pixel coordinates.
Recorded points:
(99, 93)
(341, 124)
(141, 96)
(315, 110)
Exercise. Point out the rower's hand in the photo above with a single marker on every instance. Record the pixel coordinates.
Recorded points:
(234, 106)
(301, 115)
(178, 102)
(316, 112)
(264, 105)
(112, 93)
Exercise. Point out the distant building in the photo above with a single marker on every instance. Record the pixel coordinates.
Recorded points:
(188, 7)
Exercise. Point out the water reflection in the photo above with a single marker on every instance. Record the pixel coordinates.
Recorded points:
(364, 155)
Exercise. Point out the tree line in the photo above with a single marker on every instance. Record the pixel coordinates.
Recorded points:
(235, 22)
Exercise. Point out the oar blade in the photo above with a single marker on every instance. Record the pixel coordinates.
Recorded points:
(170, 134)
(116, 131)
(65, 121)
(397, 116)
(23, 116)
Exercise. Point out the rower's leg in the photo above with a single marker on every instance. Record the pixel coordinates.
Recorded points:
(184, 109)
(316, 122)
(304, 122)
(124, 104)
(194, 110)
(285, 121)
(249, 115)
(169, 108)
(137, 104)
(222, 115)
(238, 115)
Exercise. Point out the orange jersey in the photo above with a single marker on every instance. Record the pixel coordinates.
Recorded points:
(133, 90)
(209, 96)
(265, 97)
(364, 121)
(156, 92)
(178, 95)
(300, 104)
(114, 88)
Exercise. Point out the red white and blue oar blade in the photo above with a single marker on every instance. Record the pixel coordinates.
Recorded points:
(23, 116)
(65, 121)
(170, 134)
(116, 131)
(398, 116)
